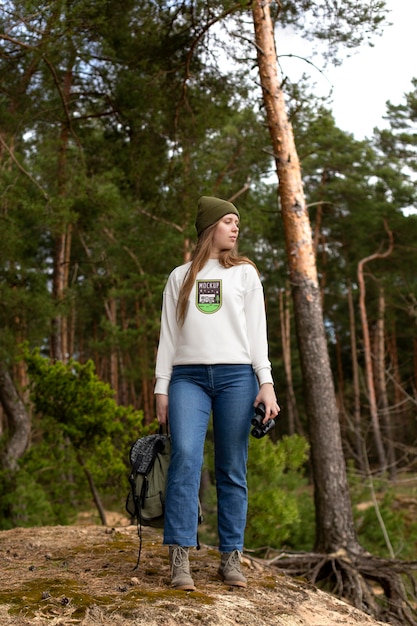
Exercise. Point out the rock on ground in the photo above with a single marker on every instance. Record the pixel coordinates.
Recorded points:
(85, 575)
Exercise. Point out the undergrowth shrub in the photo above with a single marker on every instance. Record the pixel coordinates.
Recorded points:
(80, 443)
(397, 511)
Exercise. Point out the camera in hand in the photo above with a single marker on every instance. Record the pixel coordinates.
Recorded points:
(259, 428)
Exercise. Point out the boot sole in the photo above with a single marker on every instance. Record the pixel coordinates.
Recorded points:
(234, 583)
(183, 587)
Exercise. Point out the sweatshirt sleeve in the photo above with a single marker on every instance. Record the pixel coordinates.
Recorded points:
(167, 341)
(257, 328)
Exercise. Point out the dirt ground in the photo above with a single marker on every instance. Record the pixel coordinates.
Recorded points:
(85, 575)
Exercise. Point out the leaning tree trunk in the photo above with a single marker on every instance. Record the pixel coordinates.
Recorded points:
(382, 458)
(18, 422)
(94, 492)
(335, 528)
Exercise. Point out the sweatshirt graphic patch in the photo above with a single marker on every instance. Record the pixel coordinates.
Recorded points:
(209, 295)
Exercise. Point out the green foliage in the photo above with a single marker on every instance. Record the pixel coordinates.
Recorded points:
(275, 475)
(396, 504)
(74, 396)
(50, 485)
(24, 501)
(302, 535)
(400, 530)
(77, 425)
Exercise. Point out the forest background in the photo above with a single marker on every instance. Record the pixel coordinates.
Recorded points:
(113, 121)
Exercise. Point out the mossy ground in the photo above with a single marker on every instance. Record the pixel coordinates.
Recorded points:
(64, 571)
(86, 575)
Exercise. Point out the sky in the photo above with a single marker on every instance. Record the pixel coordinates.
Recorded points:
(367, 80)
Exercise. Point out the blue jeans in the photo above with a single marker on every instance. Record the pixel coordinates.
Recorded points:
(228, 391)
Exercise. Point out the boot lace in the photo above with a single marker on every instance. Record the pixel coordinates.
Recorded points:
(179, 558)
(233, 562)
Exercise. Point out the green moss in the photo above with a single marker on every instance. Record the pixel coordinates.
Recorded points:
(268, 583)
(56, 590)
(48, 594)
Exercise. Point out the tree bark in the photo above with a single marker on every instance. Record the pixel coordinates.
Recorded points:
(356, 387)
(110, 306)
(400, 396)
(340, 395)
(381, 383)
(63, 241)
(59, 342)
(414, 378)
(18, 422)
(382, 458)
(294, 424)
(334, 520)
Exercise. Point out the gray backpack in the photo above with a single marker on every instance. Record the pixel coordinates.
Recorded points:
(149, 459)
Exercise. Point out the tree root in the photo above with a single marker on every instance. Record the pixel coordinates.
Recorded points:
(383, 588)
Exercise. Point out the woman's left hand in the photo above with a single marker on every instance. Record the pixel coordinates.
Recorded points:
(267, 396)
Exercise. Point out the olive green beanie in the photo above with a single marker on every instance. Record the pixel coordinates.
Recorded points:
(210, 210)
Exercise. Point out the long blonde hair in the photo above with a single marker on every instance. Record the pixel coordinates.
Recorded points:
(201, 254)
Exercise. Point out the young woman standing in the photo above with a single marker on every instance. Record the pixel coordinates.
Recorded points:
(212, 359)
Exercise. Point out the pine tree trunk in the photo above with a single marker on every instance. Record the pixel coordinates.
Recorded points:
(63, 242)
(400, 396)
(415, 367)
(294, 424)
(340, 384)
(110, 306)
(382, 458)
(381, 383)
(334, 520)
(356, 387)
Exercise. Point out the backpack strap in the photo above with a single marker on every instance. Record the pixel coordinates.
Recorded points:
(139, 500)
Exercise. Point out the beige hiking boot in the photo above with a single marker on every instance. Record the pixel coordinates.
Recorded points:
(180, 569)
(230, 571)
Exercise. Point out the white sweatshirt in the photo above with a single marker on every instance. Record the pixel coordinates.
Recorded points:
(225, 322)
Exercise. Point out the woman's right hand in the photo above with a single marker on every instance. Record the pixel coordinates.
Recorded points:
(161, 408)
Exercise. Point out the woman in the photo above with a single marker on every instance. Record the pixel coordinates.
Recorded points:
(212, 358)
